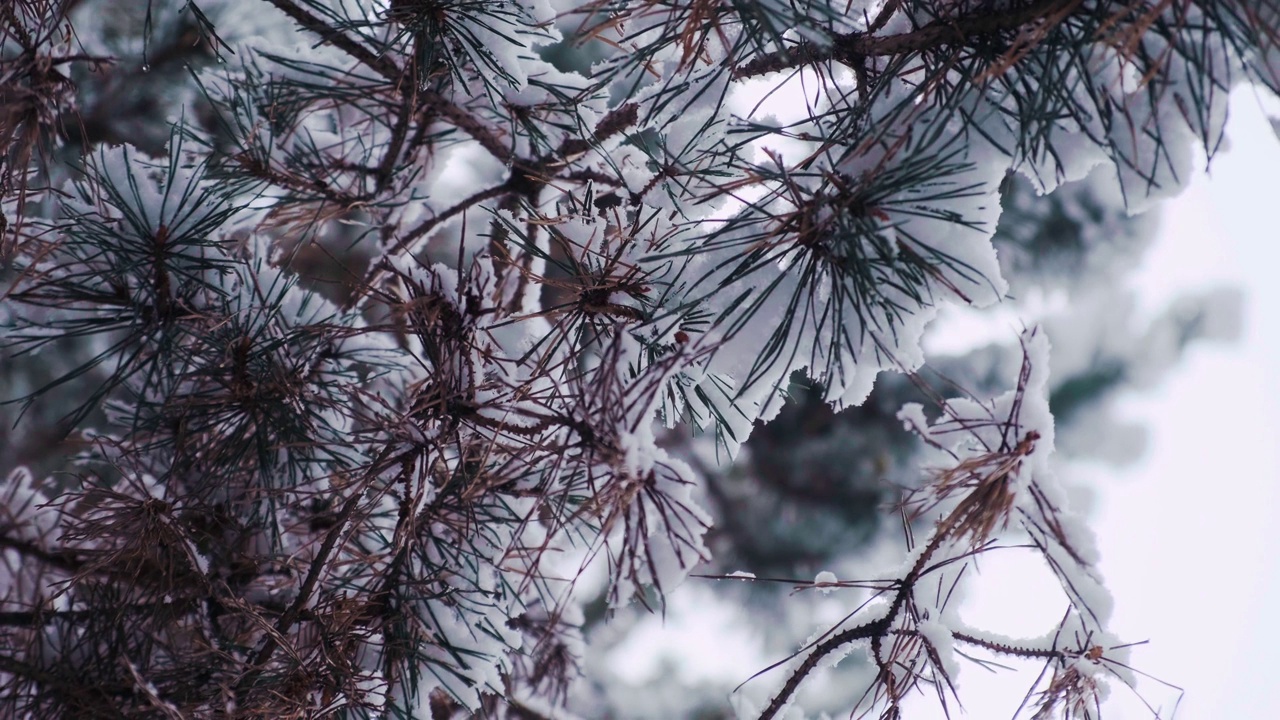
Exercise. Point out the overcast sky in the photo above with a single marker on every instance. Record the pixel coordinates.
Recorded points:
(1191, 540)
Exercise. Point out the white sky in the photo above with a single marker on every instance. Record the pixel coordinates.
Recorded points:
(1191, 542)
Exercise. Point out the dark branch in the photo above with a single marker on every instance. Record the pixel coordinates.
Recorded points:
(939, 33)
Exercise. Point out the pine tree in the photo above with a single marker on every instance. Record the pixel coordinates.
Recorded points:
(349, 343)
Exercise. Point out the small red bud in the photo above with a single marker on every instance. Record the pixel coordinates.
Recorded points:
(682, 337)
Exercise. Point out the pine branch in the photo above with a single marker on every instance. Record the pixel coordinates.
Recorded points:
(383, 65)
(386, 67)
(959, 31)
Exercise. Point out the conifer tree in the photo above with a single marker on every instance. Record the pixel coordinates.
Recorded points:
(347, 343)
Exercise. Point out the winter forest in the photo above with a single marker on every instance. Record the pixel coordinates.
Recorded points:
(411, 358)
